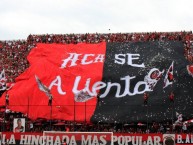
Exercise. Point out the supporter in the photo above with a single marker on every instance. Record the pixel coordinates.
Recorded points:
(31, 126)
(161, 129)
(145, 98)
(64, 142)
(171, 97)
(169, 141)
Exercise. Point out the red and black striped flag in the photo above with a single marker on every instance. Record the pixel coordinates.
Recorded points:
(116, 73)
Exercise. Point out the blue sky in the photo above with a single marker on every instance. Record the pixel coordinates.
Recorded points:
(19, 18)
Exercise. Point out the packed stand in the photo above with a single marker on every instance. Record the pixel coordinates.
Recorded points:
(14, 53)
(13, 60)
(41, 125)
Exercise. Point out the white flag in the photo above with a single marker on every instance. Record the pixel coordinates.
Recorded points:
(2, 80)
(82, 96)
(169, 78)
(180, 118)
(42, 87)
(153, 76)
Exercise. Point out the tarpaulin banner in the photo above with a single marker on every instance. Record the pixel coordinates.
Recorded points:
(64, 69)
(105, 82)
(89, 138)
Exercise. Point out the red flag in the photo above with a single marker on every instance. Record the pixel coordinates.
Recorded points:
(65, 69)
(190, 69)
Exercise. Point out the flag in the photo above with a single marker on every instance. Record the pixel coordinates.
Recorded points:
(169, 78)
(43, 88)
(188, 121)
(79, 74)
(82, 96)
(2, 80)
(153, 76)
(190, 69)
(179, 120)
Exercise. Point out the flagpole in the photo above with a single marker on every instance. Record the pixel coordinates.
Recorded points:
(6, 104)
(46, 90)
(51, 117)
(145, 103)
(50, 103)
(147, 118)
(85, 111)
(28, 114)
(172, 101)
(4, 118)
(172, 115)
(74, 114)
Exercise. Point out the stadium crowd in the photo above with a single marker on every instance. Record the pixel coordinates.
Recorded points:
(41, 125)
(13, 61)
(14, 53)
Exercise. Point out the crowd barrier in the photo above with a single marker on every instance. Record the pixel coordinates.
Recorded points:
(84, 138)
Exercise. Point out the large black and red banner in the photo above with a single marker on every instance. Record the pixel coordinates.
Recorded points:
(105, 82)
